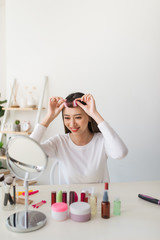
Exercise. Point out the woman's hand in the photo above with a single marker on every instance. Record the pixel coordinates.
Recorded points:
(55, 106)
(90, 107)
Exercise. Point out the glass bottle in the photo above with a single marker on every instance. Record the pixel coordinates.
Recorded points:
(105, 205)
(93, 203)
(117, 207)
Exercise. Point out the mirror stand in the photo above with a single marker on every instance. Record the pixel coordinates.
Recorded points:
(28, 220)
(27, 160)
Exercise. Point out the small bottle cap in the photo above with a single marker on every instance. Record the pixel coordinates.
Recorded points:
(117, 199)
(106, 185)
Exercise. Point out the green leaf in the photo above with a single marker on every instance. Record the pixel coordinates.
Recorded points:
(1, 102)
(1, 111)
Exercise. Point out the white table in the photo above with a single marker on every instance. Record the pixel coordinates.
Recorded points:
(139, 219)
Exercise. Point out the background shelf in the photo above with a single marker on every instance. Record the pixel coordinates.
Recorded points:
(16, 133)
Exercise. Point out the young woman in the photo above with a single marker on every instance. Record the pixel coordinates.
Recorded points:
(88, 141)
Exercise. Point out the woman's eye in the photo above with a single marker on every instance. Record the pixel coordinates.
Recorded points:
(78, 117)
(66, 118)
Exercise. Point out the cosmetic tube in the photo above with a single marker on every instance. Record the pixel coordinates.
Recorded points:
(53, 197)
(64, 197)
(83, 195)
(59, 196)
(71, 197)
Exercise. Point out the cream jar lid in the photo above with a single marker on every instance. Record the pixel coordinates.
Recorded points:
(59, 207)
(80, 208)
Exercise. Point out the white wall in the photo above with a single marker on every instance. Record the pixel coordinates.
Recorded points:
(107, 48)
(2, 52)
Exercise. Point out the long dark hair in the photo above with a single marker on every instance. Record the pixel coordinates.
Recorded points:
(92, 125)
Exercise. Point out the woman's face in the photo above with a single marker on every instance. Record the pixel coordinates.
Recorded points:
(76, 120)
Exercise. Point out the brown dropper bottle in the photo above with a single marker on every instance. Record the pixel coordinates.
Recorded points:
(105, 205)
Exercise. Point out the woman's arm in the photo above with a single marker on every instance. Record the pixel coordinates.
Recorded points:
(114, 145)
(55, 106)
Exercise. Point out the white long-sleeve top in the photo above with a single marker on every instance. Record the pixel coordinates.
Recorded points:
(83, 164)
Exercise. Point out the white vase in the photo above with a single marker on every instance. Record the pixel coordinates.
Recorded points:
(31, 102)
(23, 102)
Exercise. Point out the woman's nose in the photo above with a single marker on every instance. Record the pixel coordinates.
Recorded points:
(72, 123)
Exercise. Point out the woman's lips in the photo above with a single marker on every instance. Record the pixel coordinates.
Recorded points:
(74, 129)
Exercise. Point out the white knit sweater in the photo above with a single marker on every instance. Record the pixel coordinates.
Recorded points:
(83, 164)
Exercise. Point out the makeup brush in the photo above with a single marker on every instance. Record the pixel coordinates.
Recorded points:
(2, 177)
(14, 189)
(8, 181)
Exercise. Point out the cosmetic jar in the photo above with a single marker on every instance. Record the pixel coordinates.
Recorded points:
(80, 211)
(59, 211)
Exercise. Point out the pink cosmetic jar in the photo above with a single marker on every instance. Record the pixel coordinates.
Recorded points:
(59, 211)
(80, 211)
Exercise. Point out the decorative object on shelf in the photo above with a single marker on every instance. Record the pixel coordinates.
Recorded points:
(23, 102)
(17, 126)
(5, 127)
(8, 127)
(31, 102)
(2, 150)
(25, 126)
(14, 96)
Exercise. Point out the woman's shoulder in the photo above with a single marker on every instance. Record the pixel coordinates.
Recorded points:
(98, 136)
(59, 137)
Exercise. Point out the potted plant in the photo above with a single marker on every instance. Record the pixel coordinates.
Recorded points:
(1, 110)
(17, 127)
(2, 150)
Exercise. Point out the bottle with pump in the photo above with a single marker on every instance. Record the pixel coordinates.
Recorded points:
(105, 205)
(93, 202)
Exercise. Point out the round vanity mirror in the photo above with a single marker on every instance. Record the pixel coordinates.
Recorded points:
(27, 160)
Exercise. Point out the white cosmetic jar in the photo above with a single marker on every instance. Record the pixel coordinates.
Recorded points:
(80, 211)
(60, 211)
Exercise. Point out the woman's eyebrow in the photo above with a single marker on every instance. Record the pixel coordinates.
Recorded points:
(78, 114)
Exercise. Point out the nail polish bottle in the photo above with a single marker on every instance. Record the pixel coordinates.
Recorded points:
(105, 205)
(117, 207)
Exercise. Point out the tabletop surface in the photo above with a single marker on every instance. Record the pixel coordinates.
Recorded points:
(139, 219)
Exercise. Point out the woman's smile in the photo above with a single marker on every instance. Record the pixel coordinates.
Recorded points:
(74, 129)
